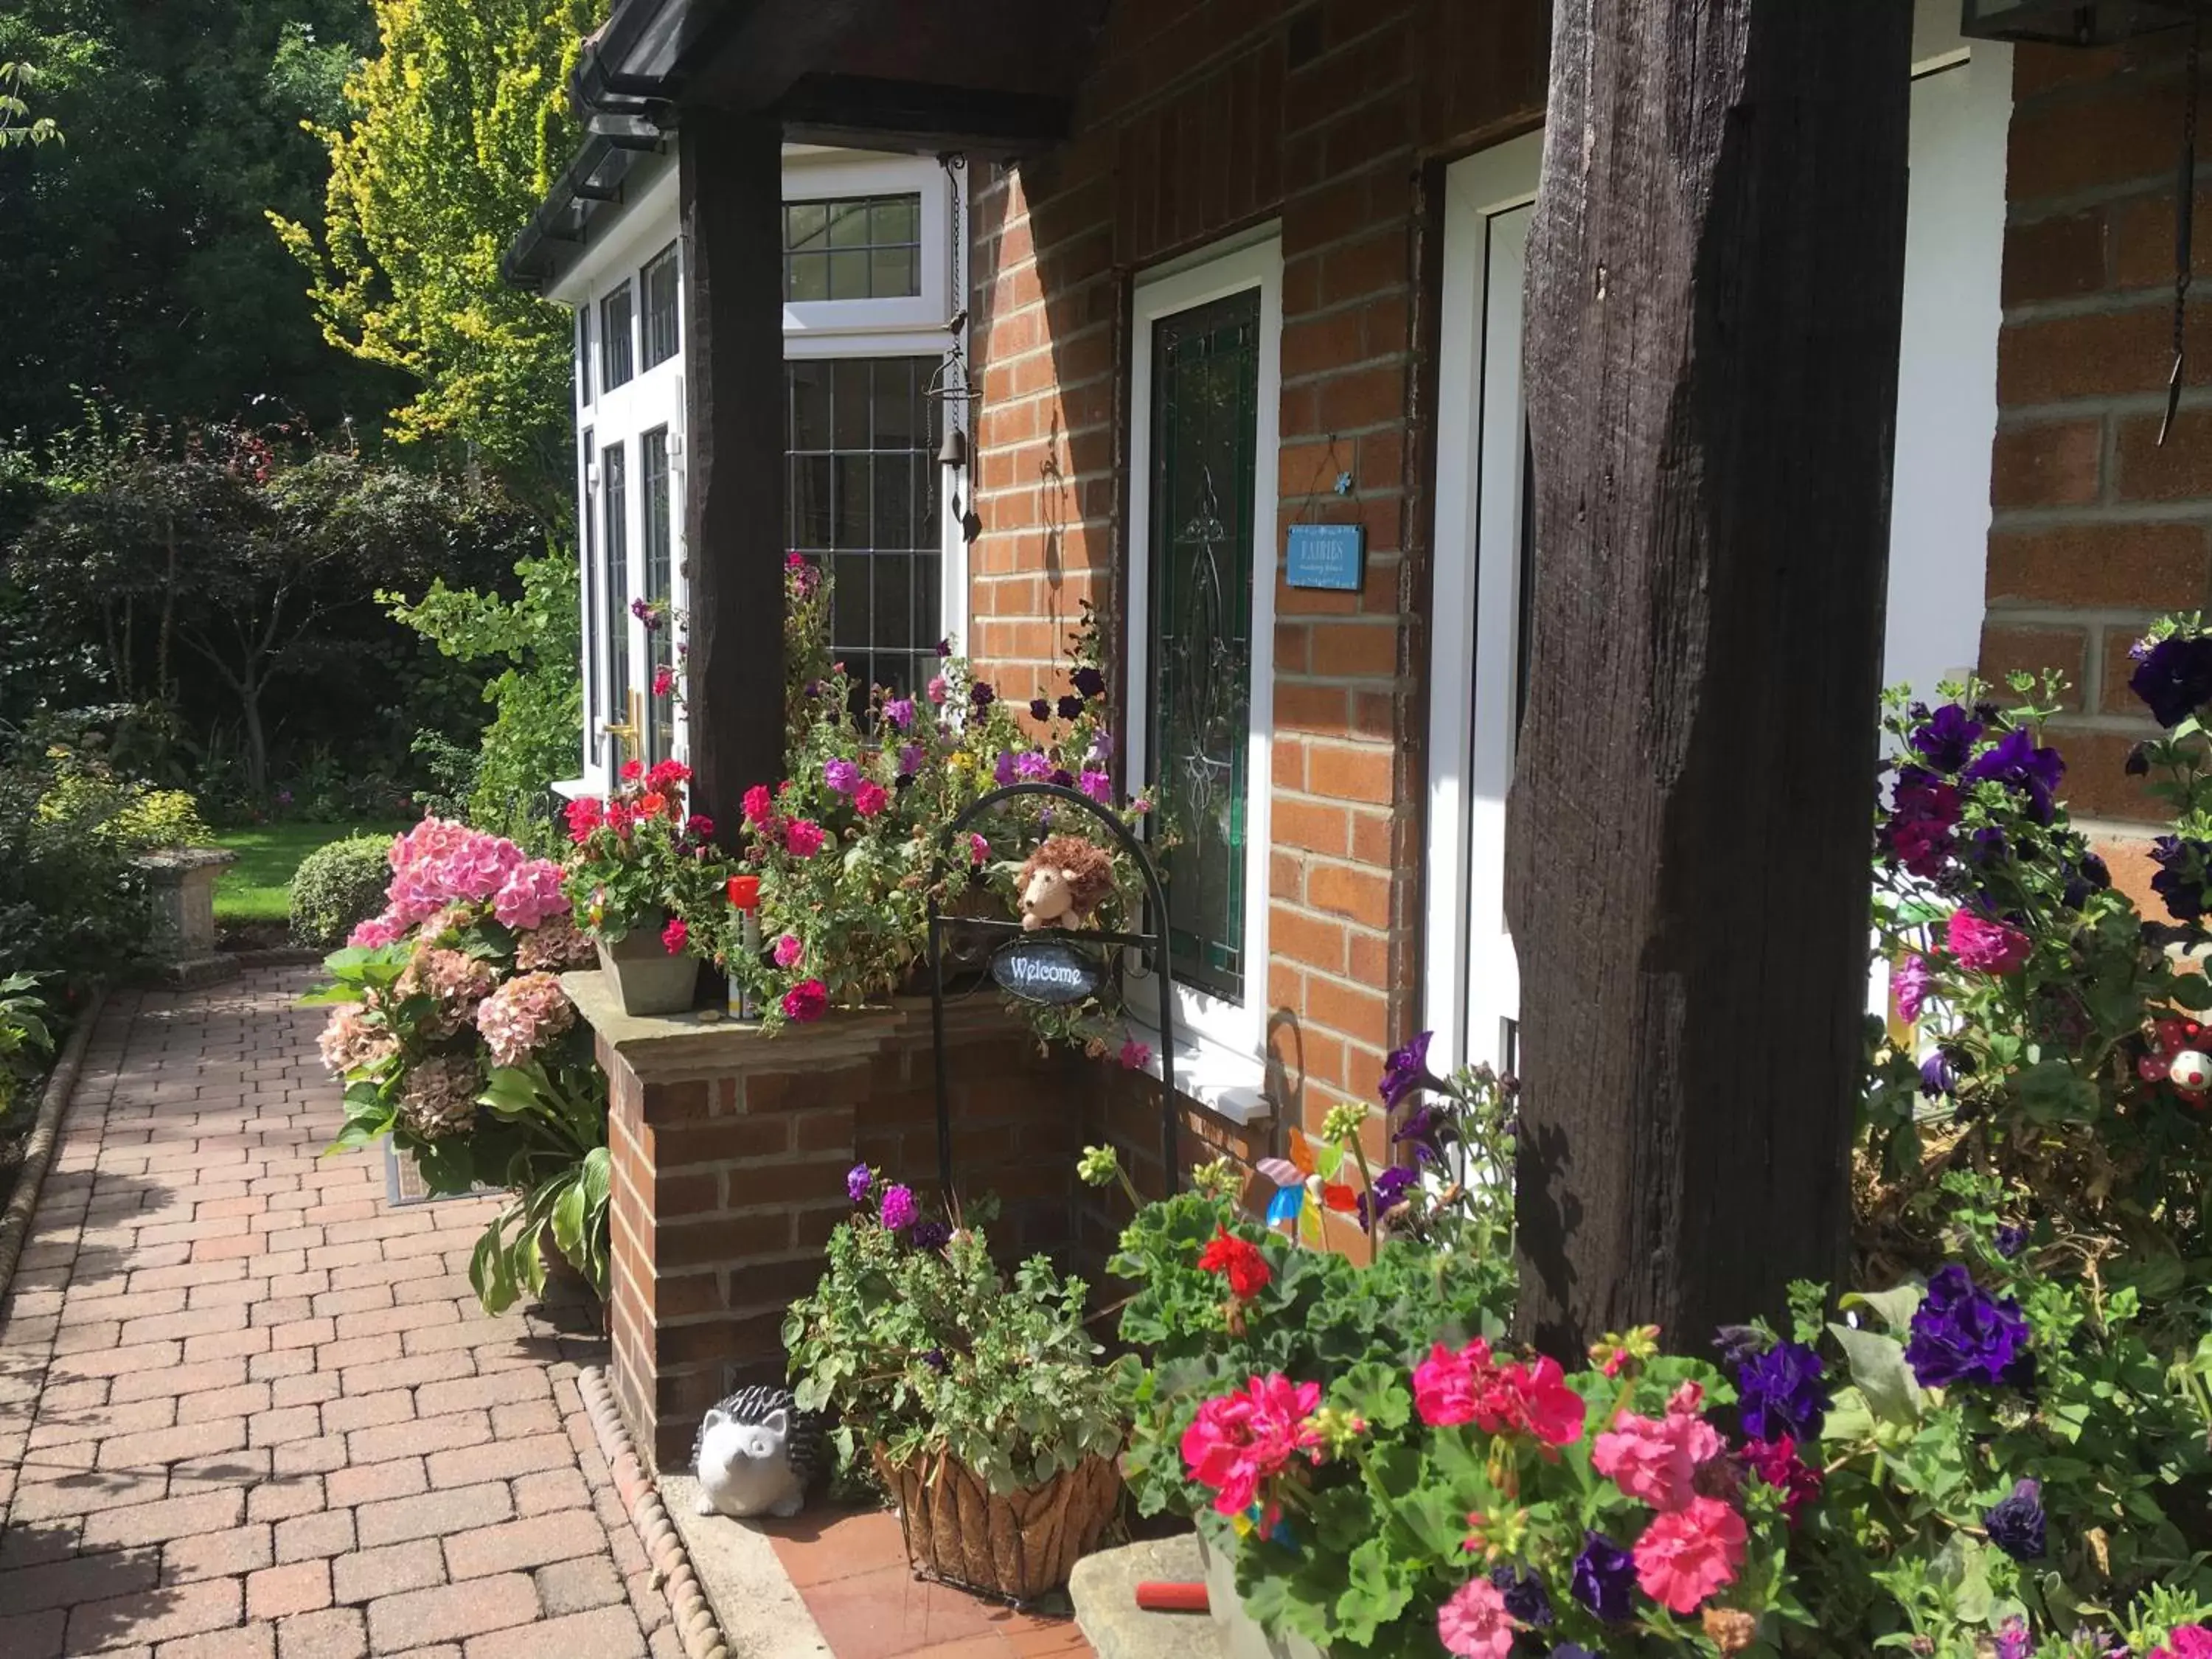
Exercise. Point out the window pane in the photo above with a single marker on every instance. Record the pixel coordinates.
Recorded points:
(1204, 433)
(615, 521)
(854, 383)
(892, 625)
(595, 622)
(810, 406)
(853, 525)
(615, 359)
(857, 247)
(898, 403)
(894, 512)
(653, 460)
(848, 618)
(658, 281)
(810, 503)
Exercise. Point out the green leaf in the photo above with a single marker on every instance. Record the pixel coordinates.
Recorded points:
(1381, 1587)
(2052, 1091)
(1895, 1307)
(568, 1218)
(488, 1271)
(1878, 1368)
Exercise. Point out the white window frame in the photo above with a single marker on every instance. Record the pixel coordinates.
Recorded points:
(655, 396)
(1473, 619)
(827, 326)
(1221, 1047)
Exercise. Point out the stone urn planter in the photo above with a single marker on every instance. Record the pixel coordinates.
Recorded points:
(180, 884)
(1018, 1547)
(644, 977)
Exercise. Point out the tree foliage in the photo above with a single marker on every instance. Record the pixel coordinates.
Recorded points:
(141, 247)
(458, 127)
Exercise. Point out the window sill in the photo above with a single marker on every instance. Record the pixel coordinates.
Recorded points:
(1227, 1084)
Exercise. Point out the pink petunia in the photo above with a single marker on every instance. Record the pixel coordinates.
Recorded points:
(1911, 981)
(1135, 1055)
(935, 690)
(1473, 1623)
(1687, 1555)
(788, 949)
(1986, 947)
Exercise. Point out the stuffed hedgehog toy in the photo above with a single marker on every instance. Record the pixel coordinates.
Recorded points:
(1063, 882)
(756, 1454)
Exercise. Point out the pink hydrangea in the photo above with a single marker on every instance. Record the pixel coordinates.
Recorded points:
(1241, 1440)
(351, 1043)
(1688, 1553)
(555, 943)
(438, 862)
(1657, 1459)
(530, 894)
(1985, 946)
(523, 1016)
(788, 949)
(453, 980)
(1473, 1623)
(377, 931)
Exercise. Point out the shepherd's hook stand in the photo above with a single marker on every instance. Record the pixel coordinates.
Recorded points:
(1154, 945)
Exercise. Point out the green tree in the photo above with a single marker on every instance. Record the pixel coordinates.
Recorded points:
(457, 126)
(136, 259)
(17, 125)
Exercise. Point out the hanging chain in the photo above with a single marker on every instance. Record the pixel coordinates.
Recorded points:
(2185, 216)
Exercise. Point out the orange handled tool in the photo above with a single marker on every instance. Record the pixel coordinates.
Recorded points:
(1154, 1596)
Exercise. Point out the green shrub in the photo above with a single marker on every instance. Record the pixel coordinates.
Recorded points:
(70, 900)
(338, 886)
(26, 1041)
(126, 815)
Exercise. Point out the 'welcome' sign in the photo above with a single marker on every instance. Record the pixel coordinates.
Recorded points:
(1046, 970)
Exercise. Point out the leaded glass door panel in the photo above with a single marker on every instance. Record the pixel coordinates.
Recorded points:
(1206, 380)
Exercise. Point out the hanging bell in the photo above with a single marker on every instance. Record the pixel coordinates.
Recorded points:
(953, 452)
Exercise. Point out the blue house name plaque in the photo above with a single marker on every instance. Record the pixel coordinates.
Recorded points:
(1328, 555)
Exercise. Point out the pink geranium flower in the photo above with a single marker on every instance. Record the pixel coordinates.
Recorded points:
(675, 936)
(1689, 1553)
(1657, 1459)
(1987, 947)
(869, 799)
(1469, 1386)
(802, 838)
(807, 1000)
(1241, 1440)
(2186, 1642)
(1475, 1624)
(788, 949)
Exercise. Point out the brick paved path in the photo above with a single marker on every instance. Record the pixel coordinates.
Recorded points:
(249, 1410)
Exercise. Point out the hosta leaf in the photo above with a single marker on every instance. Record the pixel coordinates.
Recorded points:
(1883, 1378)
(1894, 1307)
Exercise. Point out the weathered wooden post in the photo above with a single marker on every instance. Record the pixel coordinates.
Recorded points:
(732, 232)
(1714, 287)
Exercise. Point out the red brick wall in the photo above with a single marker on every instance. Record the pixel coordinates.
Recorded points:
(1203, 116)
(2095, 530)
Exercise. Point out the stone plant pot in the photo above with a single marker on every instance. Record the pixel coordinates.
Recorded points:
(644, 977)
(1019, 1546)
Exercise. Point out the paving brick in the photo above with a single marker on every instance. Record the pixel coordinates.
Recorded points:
(452, 1612)
(327, 1532)
(607, 1633)
(433, 1514)
(244, 1642)
(212, 1555)
(425, 1435)
(156, 1615)
(536, 1542)
(273, 1428)
(278, 1500)
(365, 1574)
(476, 1393)
(158, 1522)
(366, 1411)
(577, 1586)
(333, 1633)
(370, 1483)
(503, 1460)
(294, 1587)
(138, 1451)
(550, 1489)
(33, 1635)
(243, 1400)
(87, 1578)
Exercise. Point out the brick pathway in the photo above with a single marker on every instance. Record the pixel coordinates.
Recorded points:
(249, 1410)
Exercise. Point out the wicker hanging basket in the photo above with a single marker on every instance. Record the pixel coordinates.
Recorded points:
(1018, 1547)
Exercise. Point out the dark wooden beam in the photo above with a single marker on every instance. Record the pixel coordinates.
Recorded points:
(1715, 280)
(861, 109)
(731, 194)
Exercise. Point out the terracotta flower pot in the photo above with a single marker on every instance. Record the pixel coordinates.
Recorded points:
(645, 979)
(1018, 1547)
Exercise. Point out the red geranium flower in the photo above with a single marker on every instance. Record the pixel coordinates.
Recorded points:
(808, 999)
(1247, 1269)
(745, 892)
(633, 770)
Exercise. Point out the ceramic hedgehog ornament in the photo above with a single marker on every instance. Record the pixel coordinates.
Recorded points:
(756, 1454)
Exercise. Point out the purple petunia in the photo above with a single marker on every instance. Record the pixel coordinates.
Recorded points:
(1070, 707)
(1096, 785)
(1034, 767)
(1923, 816)
(1783, 1391)
(1526, 1599)
(2016, 763)
(944, 647)
(2011, 1239)
(2174, 679)
(1040, 709)
(909, 760)
(2185, 875)
(1946, 740)
(1422, 1130)
(934, 1358)
(928, 1234)
(858, 1179)
(1406, 1069)
(841, 775)
(899, 711)
(2016, 1524)
(1088, 682)
(1938, 1077)
(1062, 778)
(1604, 1577)
(899, 1210)
(1002, 770)
(1389, 1191)
(1961, 1334)
(981, 696)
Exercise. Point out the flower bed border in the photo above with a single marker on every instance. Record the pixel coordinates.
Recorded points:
(39, 1150)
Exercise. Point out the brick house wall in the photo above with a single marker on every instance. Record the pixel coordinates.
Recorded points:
(2095, 530)
(1202, 118)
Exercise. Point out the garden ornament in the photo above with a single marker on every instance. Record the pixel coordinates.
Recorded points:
(1063, 882)
(756, 1454)
(2191, 1072)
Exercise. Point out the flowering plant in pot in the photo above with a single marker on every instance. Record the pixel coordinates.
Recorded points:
(976, 1393)
(452, 1035)
(841, 855)
(641, 864)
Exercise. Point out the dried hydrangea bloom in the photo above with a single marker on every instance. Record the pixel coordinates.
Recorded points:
(439, 1096)
(351, 1043)
(554, 944)
(456, 981)
(523, 1016)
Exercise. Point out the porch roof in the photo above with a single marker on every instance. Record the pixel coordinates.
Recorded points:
(991, 78)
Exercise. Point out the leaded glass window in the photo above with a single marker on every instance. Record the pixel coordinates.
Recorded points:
(615, 358)
(862, 504)
(858, 247)
(614, 504)
(660, 648)
(1205, 438)
(658, 281)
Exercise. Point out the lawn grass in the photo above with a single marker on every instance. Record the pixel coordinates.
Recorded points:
(258, 887)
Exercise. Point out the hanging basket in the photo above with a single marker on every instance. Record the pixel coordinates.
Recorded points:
(1018, 1547)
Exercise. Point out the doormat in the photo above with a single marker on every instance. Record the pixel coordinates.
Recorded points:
(403, 1183)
